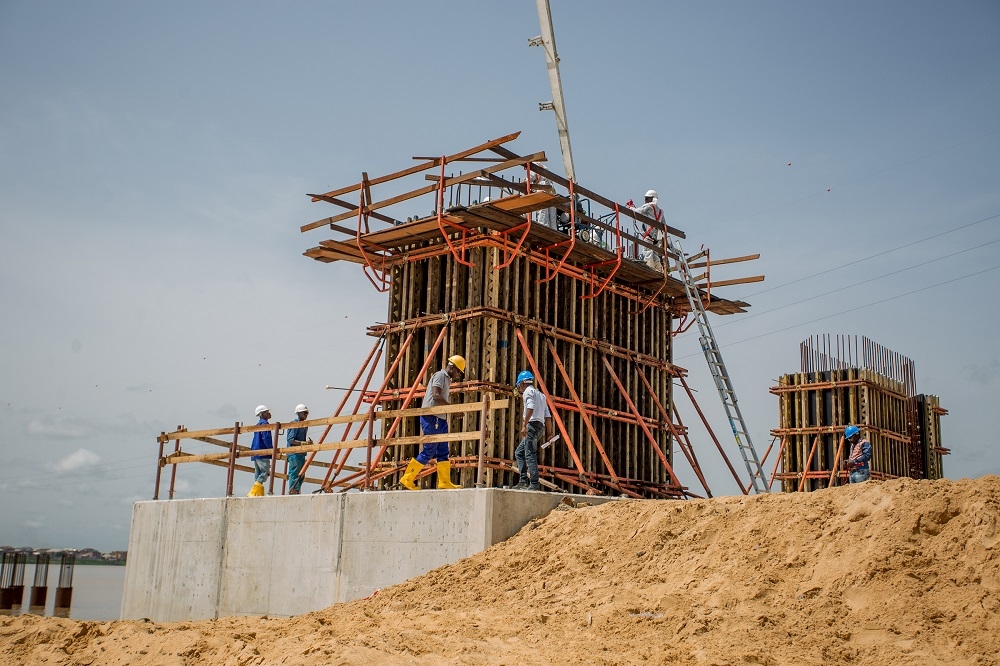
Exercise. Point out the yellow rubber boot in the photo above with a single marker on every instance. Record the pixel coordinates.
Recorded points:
(444, 475)
(411, 474)
(256, 490)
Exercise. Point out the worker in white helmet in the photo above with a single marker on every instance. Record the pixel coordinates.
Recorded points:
(648, 232)
(261, 442)
(547, 217)
(437, 393)
(297, 437)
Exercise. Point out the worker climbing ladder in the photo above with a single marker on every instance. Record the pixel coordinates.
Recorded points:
(719, 373)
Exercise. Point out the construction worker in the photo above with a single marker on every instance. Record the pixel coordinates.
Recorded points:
(535, 421)
(297, 437)
(648, 232)
(437, 394)
(547, 217)
(861, 453)
(261, 464)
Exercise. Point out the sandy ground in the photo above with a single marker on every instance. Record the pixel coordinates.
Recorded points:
(902, 572)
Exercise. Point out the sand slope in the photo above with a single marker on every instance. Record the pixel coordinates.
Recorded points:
(902, 572)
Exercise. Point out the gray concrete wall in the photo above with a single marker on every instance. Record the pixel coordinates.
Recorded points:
(286, 555)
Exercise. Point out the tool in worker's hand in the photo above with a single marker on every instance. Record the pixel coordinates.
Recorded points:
(630, 203)
(554, 439)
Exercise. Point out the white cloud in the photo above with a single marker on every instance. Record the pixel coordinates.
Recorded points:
(51, 428)
(76, 460)
(34, 524)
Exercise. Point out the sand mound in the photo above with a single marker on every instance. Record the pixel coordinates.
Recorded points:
(881, 573)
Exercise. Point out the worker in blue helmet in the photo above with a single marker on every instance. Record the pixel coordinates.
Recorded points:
(535, 421)
(861, 453)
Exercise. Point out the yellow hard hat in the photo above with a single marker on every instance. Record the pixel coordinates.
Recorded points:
(458, 362)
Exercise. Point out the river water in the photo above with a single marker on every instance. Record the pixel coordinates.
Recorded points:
(97, 592)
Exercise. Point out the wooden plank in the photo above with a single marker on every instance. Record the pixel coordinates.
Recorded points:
(349, 206)
(579, 189)
(731, 260)
(428, 165)
(746, 280)
(181, 457)
(334, 420)
(464, 178)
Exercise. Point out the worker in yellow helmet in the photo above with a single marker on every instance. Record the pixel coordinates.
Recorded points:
(437, 394)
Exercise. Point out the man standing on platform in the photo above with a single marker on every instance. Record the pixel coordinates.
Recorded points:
(649, 233)
(261, 464)
(536, 420)
(297, 437)
(861, 453)
(437, 394)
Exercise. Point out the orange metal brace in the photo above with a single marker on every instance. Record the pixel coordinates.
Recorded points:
(406, 401)
(683, 443)
(524, 228)
(347, 394)
(383, 278)
(682, 326)
(337, 461)
(617, 262)
(616, 481)
(552, 272)
(711, 433)
(641, 420)
(836, 463)
(441, 222)
(805, 471)
(548, 396)
(781, 450)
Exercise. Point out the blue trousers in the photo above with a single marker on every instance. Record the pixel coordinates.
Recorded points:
(295, 462)
(432, 425)
(526, 453)
(261, 469)
(860, 475)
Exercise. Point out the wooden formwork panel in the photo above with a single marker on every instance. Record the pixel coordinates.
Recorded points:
(550, 314)
(815, 407)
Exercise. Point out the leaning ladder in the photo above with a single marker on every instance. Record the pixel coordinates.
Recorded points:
(718, 368)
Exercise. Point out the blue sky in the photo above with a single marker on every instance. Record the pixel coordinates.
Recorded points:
(154, 160)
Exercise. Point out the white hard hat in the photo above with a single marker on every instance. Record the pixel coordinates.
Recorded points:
(652, 193)
(260, 410)
(301, 408)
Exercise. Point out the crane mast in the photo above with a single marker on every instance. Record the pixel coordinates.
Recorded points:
(547, 40)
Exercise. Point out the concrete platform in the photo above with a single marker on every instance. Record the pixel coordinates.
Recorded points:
(285, 555)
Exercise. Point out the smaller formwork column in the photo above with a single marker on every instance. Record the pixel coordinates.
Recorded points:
(40, 587)
(64, 592)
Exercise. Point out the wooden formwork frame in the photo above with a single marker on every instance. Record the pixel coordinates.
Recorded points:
(817, 404)
(475, 272)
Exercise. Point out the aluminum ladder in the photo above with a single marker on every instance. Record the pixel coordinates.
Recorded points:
(719, 373)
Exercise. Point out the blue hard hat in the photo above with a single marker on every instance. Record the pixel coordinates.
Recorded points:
(851, 431)
(524, 376)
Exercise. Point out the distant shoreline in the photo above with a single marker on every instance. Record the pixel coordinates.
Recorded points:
(87, 562)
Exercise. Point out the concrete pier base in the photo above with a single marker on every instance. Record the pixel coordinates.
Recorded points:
(287, 555)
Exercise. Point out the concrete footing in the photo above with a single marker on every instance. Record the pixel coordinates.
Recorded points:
(286, 555)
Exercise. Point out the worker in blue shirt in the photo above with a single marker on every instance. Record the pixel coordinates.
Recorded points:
(861, 453)
(297, 437)
(261, 464)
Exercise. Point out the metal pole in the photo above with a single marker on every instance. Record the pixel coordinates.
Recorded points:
(547, 40)
(231, 474)
(159, 466)
(483, 416)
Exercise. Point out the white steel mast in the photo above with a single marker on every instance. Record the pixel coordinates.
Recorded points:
(547, 40)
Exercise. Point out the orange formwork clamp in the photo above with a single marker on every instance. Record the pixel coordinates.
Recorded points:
(442, 221)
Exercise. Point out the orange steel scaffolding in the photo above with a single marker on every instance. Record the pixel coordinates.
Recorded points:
(481, 277)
